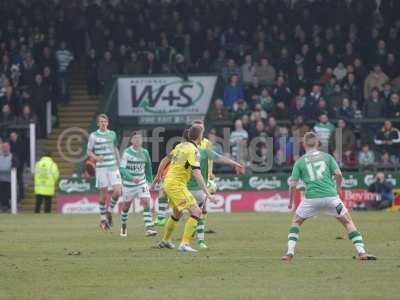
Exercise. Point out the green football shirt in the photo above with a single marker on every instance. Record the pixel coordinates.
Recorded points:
(136, 163)
(316, 169)
(103, 143)
(205, 156)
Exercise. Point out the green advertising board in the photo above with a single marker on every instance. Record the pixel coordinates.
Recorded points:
(78, 185)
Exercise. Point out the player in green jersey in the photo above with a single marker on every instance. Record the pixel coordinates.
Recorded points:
(316, 169)
(136, 174)
(102, 148)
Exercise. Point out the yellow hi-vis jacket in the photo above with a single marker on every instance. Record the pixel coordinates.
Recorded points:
(46, 176)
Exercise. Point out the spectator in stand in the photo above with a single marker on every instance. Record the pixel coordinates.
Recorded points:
(387, 140)
(366, 158)
(233, 92)
(345, 111)
(28, 70)
(40, 97)
(324, 129)
(7, 117)
(375, 80)
(165, 55)
(265, 101)
(246, 70)
(7, 162)
(27, 116)
(281, 92)
(284, 145)
(240, 109)
(391, 67)
(253, 91)
(322, 108)
(205, 63)
(11, 99)
(265, 72)
(213, 138)
(272, 128)
(385, 161)
(19, 149)
(383, 191)
(299, 129)
(340, 72)
(107, 68)
(393, 109)
(258, 131)
(314, 96)
(230, 70)
(151, 66)
(133, 66)
(374, 105)
(92, 67)
(343, 144)
(352, 89)
(64, 59)
(386, 92)
(218, 112)
(299, 80)
(238, 141)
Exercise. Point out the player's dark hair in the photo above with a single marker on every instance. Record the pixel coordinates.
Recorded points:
(195, 132)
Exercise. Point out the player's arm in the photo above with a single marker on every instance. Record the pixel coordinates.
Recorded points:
(161, 167)
(194, 162)
(116, 150)
(292, 192)
(335, 170)
(221, 159)
(148, 168)
(339, 180)
(196, 172)
(293, 181)
(90, 152)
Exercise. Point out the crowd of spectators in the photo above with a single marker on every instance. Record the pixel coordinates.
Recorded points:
(284, 65)
(327, 64)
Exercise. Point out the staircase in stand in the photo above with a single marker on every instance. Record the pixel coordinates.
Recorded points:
(67, 142)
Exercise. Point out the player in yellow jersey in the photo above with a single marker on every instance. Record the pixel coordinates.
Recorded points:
(163, 168)
(185, 162)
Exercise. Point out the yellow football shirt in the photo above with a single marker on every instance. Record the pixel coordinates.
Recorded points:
(184, 157)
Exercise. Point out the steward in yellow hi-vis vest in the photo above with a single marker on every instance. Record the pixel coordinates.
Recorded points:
(46, 177)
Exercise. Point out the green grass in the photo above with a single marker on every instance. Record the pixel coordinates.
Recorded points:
(242, 263)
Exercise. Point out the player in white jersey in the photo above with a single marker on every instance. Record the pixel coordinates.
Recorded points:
(136, 174)
(317, 169)
(102, 148)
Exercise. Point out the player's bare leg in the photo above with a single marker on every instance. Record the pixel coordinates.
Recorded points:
(124, 218)
(190, 227)
(148, 217)
(169, 228)
(355, 236)
(293, 237)
(116, 193)
(104, 225)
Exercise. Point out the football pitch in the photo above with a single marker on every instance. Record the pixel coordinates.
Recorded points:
(67, 257)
